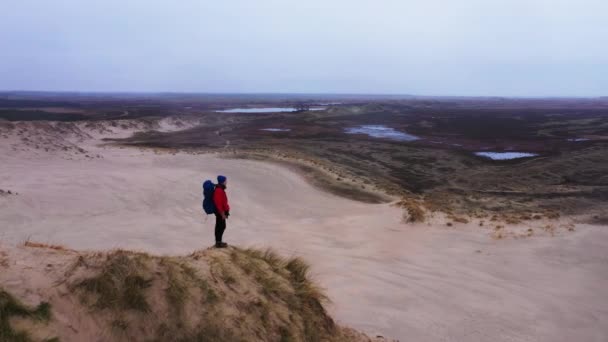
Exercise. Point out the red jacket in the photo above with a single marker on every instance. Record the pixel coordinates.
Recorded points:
(220, 200)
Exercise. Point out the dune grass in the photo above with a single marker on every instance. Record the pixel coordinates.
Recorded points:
(213, 295)
(264, 266)
(268, 255)
(310, 301)
(121, 284)
(211, 331)
(301, 295)
(181, 278)
(177, 286)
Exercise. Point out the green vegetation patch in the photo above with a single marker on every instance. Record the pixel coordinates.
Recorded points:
(10, 307)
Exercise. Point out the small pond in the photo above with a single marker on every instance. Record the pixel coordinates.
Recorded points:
(275, 129)
(381, 131)
(505, 155)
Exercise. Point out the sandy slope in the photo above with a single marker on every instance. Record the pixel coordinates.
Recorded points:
(416, 283)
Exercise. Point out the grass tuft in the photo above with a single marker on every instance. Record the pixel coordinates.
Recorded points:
(275, 261)
(263, 266)
(414, 210)
(458, 219)
(305, 289)
(120, 325)
(309, 302)
(285, 335)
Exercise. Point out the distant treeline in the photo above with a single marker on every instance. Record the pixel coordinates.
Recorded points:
(23, 103)
(37, 115)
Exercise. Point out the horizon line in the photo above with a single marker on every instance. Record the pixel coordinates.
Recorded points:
(135, 92)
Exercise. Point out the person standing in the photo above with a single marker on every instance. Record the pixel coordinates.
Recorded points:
(222, 210)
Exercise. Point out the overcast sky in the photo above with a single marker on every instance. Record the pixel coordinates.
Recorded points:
(423, 47)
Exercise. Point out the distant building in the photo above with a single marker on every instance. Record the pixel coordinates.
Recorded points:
(301, 107)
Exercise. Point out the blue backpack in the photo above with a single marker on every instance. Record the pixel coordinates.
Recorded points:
(208, 189)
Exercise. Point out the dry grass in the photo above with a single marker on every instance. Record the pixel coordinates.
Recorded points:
(499, 232)
(181, 279)
(525, 217)
(549, 228)
(3, 259)
(33, 244)
(219, 268)
(414, 210)
(458, 219)
(120, 284)
(269, 256)
(512, 220)
(211, 331)
(177, 285)
(288, 281)
(310, 301)
(263, 273)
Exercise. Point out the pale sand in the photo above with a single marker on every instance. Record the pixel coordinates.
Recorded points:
(412, 282)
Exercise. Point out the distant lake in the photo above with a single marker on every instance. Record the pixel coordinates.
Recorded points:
(263, 110)
(505, 155)
(381, 131)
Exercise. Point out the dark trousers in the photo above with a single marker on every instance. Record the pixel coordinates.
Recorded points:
(220, 226)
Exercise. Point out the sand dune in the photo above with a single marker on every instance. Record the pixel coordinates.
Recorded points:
(414, 282)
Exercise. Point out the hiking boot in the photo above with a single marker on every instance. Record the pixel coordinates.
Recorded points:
(221, 245)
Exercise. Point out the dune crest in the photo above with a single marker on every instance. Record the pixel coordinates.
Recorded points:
(51, 293)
